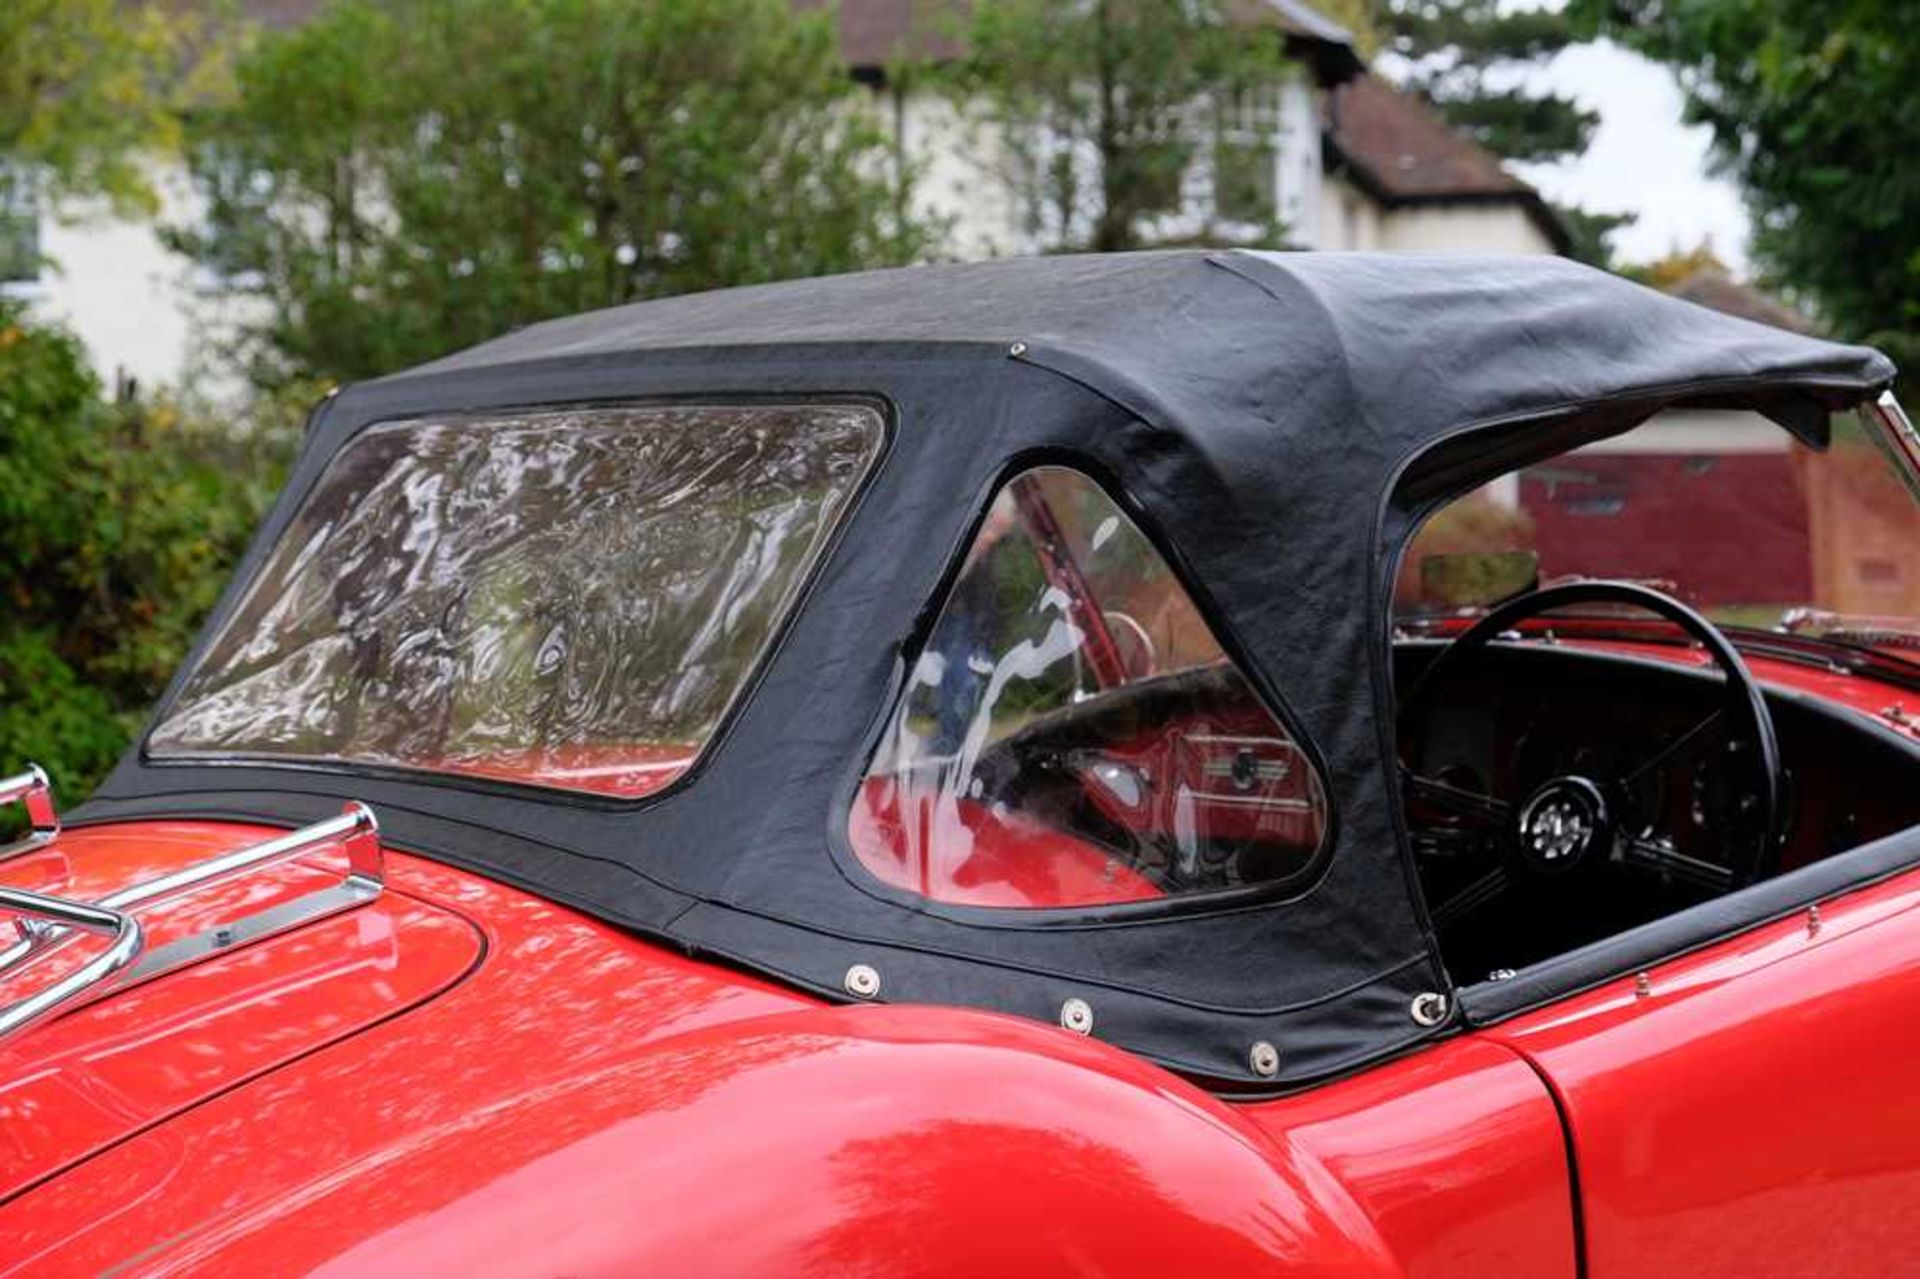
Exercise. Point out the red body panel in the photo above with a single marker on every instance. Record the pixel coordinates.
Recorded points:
(400, 1110)
(1456, 1155)
(1754, 1112)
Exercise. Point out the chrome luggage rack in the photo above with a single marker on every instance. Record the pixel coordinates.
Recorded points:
(45, 923)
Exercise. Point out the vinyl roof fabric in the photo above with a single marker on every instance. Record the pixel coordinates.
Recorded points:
(1267, 419)
(1479, 336)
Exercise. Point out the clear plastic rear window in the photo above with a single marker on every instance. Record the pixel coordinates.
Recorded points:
(568, 599)
(1073, 735)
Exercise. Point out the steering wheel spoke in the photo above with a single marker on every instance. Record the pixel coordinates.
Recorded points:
(1688, 746)
(1488, 888)
(1649, 851)
(1449, 843)
(1486, 812)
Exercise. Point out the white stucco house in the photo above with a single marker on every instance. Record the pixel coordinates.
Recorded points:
(1336, 154)
(1343, 159)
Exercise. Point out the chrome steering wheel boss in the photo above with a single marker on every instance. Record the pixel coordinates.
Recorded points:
(1561, 823)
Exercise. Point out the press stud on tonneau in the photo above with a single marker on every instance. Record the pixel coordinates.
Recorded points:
(1077, 1015)
(1428, 1008)
(863, 981)
(48, 923)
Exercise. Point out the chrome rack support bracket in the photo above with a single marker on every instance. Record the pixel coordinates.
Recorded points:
(47, 923)
(31, 790)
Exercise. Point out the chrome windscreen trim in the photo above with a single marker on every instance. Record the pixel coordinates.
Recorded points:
(1902, 440)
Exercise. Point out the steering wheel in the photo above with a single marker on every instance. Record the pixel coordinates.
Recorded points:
(1577, 819)
(1146, 654)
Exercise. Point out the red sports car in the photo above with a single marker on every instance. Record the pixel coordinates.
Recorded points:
(1173, 764)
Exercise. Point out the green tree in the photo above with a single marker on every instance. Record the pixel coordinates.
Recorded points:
(1814, 112)
(1098, 112)
(1468, 58)
(122, 523)
(87, 89)
(1464, 57)
(396, 180)
(1590, 234)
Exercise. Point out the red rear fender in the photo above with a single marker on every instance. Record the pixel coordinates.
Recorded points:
(868, 1140)
(899, 1141)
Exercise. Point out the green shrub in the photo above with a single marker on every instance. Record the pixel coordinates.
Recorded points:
(119, 524)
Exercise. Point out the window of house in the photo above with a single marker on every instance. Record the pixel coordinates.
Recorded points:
(1246, 180)
(566, 599)
(1162, 172)
(1246, 156)
(226, 258)
(19, 226)
(1073, 734)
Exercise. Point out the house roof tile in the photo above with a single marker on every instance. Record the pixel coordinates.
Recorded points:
(1401, 152)
(1407, 151)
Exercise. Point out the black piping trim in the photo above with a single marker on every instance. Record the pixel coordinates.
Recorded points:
(1220, 1085)
(1077, 979)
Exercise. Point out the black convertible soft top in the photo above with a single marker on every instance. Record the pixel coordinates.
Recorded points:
(1277, 421)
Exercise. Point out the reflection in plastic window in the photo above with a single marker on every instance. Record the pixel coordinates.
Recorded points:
(564, 599)
(1073, 735)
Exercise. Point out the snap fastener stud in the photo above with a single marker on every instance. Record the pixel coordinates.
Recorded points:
(1429, 1008)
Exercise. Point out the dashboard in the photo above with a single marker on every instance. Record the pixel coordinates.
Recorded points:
(1526, 712)
(1513, 717)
